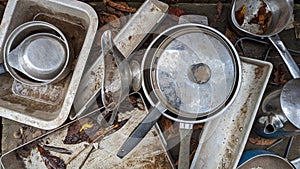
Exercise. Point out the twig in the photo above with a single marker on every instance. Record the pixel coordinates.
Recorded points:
(93, 141)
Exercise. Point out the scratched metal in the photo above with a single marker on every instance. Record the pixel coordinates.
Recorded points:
(41, 108)
(224, 138)
(130, 36)
(150, 153)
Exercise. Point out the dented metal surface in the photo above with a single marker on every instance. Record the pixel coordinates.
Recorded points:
(224, 138)
(45, 109)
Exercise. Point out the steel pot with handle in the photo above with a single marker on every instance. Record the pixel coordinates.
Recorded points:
(191, 74)
(37, 53)
(265, 19)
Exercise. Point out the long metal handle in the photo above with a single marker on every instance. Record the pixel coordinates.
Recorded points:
(141, 130)
(185, 131)
(286, 56)
(2, 69)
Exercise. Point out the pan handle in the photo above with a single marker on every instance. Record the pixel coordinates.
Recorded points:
(2, 69)
(142, 129)
(286, 56)
(185, 131)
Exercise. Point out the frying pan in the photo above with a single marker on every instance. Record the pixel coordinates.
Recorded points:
(191, 74)
(265, 19)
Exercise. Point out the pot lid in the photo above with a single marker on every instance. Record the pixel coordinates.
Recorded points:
(195, 71)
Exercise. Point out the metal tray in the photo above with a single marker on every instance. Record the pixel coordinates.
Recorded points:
(223, 139)
(46, 107)
(150, 153)
(147, 18)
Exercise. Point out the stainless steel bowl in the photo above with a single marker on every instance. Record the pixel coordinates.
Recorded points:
(37, 53)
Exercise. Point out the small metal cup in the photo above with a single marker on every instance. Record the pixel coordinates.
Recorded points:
(41, 57)
(37, 53)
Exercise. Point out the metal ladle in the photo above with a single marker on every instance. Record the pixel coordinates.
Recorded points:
(119, 77)
(281, 11)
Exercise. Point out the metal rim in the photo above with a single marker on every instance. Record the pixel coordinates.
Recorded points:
(271, 157)
(25, 65)
(11, 40)
(152, 94)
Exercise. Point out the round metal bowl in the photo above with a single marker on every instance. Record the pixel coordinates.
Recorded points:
(33, 38)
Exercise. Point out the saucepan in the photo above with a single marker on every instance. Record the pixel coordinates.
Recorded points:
(266, 160)
(191, 73)
(274, 122)
(37, 53)
(265, 19)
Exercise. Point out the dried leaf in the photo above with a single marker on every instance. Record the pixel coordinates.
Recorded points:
(280, 74)
(110, 19)
(240, 15)
(51, 161)
(167, 125)
(261, 141)
(231, 35)
(262, 18)
(119, 6)
(219, 8)
(76, 135)
(175, 11)
(218, 11)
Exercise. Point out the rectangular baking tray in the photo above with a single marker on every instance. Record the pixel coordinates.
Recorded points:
(150, 153)
(223, 139)
(36, 106)
(146, 19)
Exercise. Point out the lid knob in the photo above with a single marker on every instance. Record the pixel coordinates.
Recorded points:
(199, 73)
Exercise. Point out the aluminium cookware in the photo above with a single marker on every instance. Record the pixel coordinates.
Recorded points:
(265, 19)
(191, 74)
(37, 53)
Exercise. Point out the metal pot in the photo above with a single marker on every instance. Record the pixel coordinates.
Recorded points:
(191, 74)
(265, 19)
(281, 112)
(263, 159)
(37, 53)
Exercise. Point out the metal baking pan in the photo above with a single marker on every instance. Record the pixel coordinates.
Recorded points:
(223, 139)
(46, 107)
(150, 153)
(146, 19)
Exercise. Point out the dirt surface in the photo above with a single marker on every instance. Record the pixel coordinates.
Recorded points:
(15, 134)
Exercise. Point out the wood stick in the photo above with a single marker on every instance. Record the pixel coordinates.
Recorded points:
(93, 141)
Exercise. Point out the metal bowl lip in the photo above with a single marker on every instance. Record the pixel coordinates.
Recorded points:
(14, 34)
(153, 99)
(26, 69)
(239, 28)
(277, 157)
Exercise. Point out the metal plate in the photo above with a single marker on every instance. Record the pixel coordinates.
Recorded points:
(223, 139)
(150, 153)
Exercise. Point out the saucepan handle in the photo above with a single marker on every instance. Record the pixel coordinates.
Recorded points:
(286, 56)
(185, 131)
(2, 69)
(141, 130)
